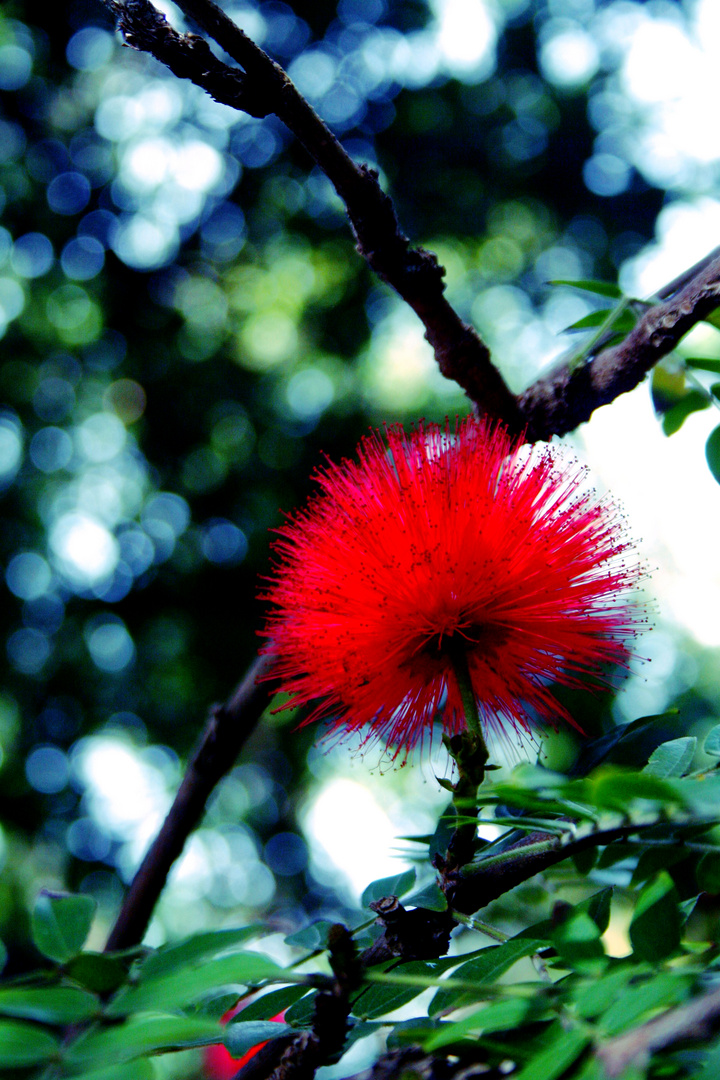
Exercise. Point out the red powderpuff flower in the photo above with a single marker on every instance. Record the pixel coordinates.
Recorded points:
(467, 539)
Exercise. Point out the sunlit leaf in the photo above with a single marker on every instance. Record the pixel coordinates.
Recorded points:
(199, 947)
(560, 1049)
(269, 1005)
(672, 758)
(485, 968)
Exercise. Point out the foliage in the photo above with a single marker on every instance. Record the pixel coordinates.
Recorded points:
(187, 328)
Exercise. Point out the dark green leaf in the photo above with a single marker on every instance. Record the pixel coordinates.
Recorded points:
(143, 1035)
(311, 937)
(301, 1013)
(577, 940)
(668, 385)
(623, 324)
(635, 1002)
(626, 744)
(398, 886)
(431, 897)
(561, 1049)
(703, 364)
(199, 947)
(135, 1070)
(585, 860)
(381, 998)
(97, 972)
(712, 453)
(500, 1016)
(485, 968)
(268, 1005)
(654, 859)
(672, 758)
(25, 1044)
(61, 923)
(242, 1035)
(596, 996)
(49, 1005)
(602, 288)
(615, 789)
(675, 417)
(656, 924)
(708, 873)
(175, 989)
(596, 906)
(711, 746)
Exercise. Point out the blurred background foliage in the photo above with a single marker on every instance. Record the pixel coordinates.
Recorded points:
(186, 330)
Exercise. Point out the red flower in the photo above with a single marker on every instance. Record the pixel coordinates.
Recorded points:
(217, 1062)
(467, 539)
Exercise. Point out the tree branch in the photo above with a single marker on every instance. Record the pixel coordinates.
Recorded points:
(262, 88)
(563, 399)
(227, 730)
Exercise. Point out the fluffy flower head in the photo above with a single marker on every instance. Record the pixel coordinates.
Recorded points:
(445, 540)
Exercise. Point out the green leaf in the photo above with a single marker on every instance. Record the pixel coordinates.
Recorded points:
(242, 1035)
(624, 323)
(596, 906)
(143, 1035)
(381, 998)
(301, 1013)
(199, 947)
(598, 995)
(485, 968)
(311, 937)
(636, 1002)
(268, 1005)
(711, 746)
(577, 940)
(135, 1070)
(672, 758)
(656, 924)
(675, 417)
(500, 1016)
(97, 972)
(61, 923)
(431, 897)
(712, 452)
(48, 1005)
(25, 1044)
(398, 886)
(703, 364)
(602, 288)
(615, 789)
(561, 1049)
(708, 873)
(175, 989)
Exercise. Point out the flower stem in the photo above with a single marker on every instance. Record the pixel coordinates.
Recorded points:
(467, 694)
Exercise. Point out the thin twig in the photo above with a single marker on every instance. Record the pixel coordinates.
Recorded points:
(226, 732)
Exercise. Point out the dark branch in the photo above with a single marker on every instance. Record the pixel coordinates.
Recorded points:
(563, 399)
(226, 732)
(262, 88)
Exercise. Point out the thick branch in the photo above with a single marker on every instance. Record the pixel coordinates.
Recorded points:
(563, 399)
(227, 730)
(262, 88)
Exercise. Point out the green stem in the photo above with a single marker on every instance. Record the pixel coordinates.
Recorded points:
(467, 694)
